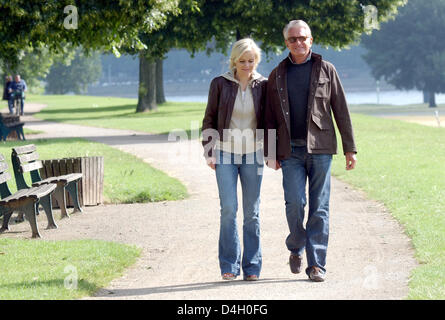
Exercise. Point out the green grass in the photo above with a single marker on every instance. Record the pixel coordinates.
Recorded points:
(402, 110)
(60, 269)
(402, 165)
(120, 113)
(127, 179)
(27, 131)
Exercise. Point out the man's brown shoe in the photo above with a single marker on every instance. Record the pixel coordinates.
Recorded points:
(295, 263)
(315, 274)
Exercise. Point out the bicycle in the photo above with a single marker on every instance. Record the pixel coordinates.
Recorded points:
(18, 97)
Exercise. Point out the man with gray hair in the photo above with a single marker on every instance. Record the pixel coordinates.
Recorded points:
(303, 92)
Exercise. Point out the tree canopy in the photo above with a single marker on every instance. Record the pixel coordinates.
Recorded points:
(93, 24)
(406, 52)
(74, 75)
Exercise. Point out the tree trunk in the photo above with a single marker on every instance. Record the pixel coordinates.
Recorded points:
(238, 35)
(160, 96)
(432, 99)
(147, 84)
(425, 96)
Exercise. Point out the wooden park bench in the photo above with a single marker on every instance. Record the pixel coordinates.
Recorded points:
(25, 159)
(25, 201)
(11, 123)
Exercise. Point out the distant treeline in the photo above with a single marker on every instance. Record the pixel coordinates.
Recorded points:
(179, 66)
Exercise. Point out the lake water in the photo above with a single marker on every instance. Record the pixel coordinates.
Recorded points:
(385, 97)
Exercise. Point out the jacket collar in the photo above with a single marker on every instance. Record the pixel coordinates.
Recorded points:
(309, 57)
(230, 75)
(315, 56)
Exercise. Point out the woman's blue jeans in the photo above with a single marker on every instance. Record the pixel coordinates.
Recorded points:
(249, 168)
(316, 168)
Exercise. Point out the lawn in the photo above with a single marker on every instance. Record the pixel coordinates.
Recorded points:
(120, 113)
(402, 165)
(127, 179)
(56, 270)
(403, 110)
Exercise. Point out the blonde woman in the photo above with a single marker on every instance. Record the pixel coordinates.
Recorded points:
(234, 113)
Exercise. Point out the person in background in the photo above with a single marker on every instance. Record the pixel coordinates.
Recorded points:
(18, 88)
(7, 94)
(302, 91)
(234, 111)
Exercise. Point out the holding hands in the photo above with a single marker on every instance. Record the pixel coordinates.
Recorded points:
(211, 161)
(273, 164)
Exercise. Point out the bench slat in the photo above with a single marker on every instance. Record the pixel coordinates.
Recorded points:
(31, 166)
(24, 149)
(3, 166)
(27, 157)
(16, 196)
(14, 124)
(71, 177)
(5, 176)
(65, 178)
(42, 191)
(34, 192)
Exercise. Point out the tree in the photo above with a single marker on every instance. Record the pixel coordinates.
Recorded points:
(74, 76)
(406, 52)
(33, 66)
(190, 30)
(333, 22)
(94, 24)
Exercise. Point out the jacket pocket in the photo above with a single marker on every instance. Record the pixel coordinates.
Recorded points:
(322, 90)
(322, 124)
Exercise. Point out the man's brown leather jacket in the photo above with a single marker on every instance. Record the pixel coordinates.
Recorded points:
(325, 95)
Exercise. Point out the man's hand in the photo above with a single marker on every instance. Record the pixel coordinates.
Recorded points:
(351, 159)
(211, 162)
(274, 164)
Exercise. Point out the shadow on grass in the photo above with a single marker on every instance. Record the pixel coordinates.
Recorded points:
(123, 111)
(84, 286)
(125, 107)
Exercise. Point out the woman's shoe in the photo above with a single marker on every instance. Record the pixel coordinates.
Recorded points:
(228, 276)
(252, 277)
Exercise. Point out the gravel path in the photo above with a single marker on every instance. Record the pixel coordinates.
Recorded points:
(369, 256)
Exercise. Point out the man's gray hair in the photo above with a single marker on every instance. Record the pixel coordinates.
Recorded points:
(295, 23)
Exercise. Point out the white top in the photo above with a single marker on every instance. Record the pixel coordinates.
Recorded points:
(241, 135)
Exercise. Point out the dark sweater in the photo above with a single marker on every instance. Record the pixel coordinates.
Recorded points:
(298, 83)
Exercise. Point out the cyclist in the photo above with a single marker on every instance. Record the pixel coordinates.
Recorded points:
(18, 88)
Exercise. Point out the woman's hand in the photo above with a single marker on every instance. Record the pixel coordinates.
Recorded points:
(211, 162)
(274, 164)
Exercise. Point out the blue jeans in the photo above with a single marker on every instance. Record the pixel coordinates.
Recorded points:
(316, 168)
(250, 170)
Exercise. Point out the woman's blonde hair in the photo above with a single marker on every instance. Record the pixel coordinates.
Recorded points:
(240, 47)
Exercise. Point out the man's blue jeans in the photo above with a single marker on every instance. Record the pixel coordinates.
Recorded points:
(249, 168)
(316, 168)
